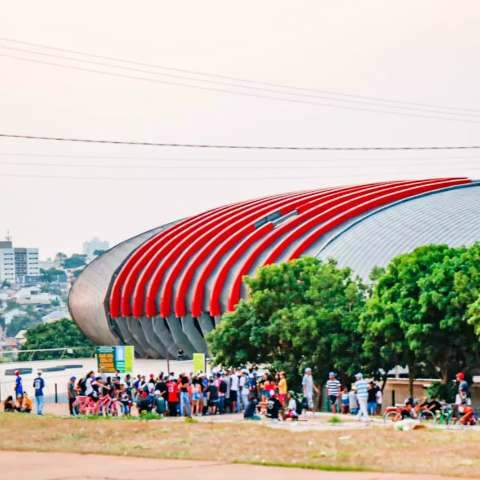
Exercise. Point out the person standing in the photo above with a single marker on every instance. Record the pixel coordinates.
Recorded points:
(333, 391)
(72, 395)
(308, 388)
(282, 389)
(39, 385)
(185, 407)
(172, 387)
(361, 388)
(372, 398)
(18, 385)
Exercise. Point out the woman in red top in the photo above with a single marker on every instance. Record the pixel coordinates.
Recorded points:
(173, 397)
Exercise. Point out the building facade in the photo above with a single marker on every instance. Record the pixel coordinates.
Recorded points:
(27, 267)
(18, 265)
(164, 289)
(7, 262)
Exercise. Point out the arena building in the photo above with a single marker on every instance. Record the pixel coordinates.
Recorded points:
(164, 289)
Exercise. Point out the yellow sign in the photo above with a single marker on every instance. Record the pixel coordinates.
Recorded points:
(198, 362)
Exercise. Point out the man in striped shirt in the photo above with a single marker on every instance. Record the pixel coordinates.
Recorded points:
(333, 391)
(361, 387)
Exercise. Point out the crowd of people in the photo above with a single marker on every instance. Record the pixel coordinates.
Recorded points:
(223, 391)
(247, 390)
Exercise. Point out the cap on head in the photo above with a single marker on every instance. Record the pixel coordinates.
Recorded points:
(460, 376)
(332, 374)
(358, 376)
(308, 370)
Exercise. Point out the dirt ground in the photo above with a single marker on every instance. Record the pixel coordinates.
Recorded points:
(373, 448)
(67, 466)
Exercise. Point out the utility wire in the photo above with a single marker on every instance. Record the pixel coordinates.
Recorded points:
(295, 161)
(426, 115)
(196, 178)
(295, 166)
(355, 101)
(237, 79)
(238, 147)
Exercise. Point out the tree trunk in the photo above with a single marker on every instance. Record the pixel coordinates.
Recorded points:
(411, 379)
(384, 381)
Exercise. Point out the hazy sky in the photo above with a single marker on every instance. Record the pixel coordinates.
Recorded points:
(419, 51)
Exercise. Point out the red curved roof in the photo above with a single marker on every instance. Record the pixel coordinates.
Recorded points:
(197, 265)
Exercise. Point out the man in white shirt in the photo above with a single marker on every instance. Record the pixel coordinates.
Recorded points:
(234, 387)
(308, 388)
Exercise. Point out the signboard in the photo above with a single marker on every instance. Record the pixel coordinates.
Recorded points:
(198, 362)
(117, 358)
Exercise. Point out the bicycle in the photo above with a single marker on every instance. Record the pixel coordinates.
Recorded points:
(84, 405)
(395, 413)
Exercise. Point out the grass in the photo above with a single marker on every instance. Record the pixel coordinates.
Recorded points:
(335, 420)
(455, 453)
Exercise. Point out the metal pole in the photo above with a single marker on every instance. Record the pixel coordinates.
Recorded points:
(56, 394)
(168, 366)
(393, 397)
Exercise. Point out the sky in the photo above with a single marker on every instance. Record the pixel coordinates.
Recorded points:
(369, 73)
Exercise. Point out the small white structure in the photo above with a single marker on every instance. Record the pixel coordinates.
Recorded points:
(55, 316)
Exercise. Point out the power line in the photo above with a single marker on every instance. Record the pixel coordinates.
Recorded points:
(426, 115)
(256, 166)
(294, 161)
(181, 179)
(238, 147)
(349, 100)
(237, 79)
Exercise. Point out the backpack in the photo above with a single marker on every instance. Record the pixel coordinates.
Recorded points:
(82, 385)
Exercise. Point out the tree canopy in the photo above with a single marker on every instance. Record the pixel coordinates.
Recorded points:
(298, 314)
(63, 333)
(417, 313)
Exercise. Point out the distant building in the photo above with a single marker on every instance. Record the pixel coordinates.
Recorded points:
(55, 316)
(90, 246)
(18, 265)
(7, 262)
(27, 268)
(33, 296)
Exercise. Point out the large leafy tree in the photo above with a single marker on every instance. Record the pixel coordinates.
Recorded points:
(298, 314)
(416, 315)
(63, 333)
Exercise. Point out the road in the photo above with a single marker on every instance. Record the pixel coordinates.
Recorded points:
(67, 466)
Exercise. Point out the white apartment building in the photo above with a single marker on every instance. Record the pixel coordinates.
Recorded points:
(7, 262)
(18, 265)
(26, 264)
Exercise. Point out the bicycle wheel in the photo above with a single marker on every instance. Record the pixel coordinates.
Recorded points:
(116, 409)
(389, 416)
(426, 416)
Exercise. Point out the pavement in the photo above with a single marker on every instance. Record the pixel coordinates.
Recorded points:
(70, 466)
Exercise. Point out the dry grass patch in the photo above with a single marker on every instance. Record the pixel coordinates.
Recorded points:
(425, 451)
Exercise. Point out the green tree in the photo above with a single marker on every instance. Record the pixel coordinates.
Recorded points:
(53, 275)
(416, 315)
(298, 314)
(63, 333)
(75, 261)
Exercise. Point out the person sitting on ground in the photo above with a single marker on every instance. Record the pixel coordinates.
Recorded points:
(407, 411)
(291, 411)
(159, 403)
(24, 403)
(144, 403)
(9, 404)
(250, 412)
(464, 407)
(274, 407)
